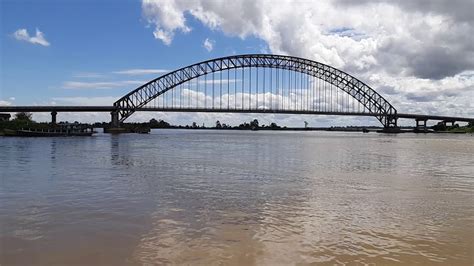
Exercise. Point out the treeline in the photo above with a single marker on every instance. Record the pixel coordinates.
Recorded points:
(441, 127)
(23, 120)
(153, 123)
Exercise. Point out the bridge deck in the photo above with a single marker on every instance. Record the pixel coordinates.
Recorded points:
(13, 109)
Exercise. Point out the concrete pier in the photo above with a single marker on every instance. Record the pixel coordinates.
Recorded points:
(115, 119)
(54, 117)
(421, 125)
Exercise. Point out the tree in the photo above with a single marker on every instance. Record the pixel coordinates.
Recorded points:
(440, 127)
(254, 124)
(194, 125)
(245, 125)
(163, 124)
(24, 116)
(274, 125)
(218, 124)
(153, 122)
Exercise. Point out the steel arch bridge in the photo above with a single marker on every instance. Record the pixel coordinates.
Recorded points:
(258, 83)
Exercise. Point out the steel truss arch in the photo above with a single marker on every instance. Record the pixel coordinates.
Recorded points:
(369, 98)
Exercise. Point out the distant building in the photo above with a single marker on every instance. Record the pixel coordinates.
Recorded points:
(5, 117)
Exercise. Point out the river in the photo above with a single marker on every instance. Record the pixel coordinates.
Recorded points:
(207, 197)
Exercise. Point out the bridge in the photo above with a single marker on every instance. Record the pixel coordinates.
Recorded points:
(254, 83)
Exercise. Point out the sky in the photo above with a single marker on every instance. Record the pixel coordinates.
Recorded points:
(418, 54)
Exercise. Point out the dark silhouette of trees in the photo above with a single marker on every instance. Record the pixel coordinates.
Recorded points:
(218, 124)
(245, 125)
(24, 116)
(440, 126)
(153, 123)
(254, 124)
(273, 125)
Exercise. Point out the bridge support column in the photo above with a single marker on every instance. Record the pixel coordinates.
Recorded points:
(391, 121)
(390, 125)
(421, 125)
(114, 119)
(53, 117)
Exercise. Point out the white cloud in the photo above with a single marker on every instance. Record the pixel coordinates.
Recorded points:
(170, 18)
(101, 85)
(23, 35)
(208, 44)
(5, 103)
(357, 41)
(104, 100)
(141, 71)
(411, 48)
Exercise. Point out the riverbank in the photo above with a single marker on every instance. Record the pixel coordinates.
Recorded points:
(32, 128)
(28, 128)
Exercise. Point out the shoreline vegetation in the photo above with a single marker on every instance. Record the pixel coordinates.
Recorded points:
(23, 121)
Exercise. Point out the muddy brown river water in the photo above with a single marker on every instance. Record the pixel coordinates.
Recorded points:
(237, 198)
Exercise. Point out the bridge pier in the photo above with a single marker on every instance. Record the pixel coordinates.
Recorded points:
(53, 117)
(390, 125)
(391, 121)
(114, 119)
(421, 125)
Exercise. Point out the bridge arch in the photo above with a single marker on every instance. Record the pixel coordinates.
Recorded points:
(373, 102)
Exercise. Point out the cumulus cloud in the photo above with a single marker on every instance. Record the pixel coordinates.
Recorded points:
(208, 44)
(167, 16)
(23, 35)
(460, 10)
(403, 47)
(377, 33)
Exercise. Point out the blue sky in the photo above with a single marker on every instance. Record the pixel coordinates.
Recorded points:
(93, 52)
(88, 42)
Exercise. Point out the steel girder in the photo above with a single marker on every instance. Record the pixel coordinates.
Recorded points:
(360, 91)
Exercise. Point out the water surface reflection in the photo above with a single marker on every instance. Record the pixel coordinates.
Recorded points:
(267, 198)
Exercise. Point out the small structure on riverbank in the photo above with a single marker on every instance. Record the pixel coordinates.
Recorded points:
(50, 132)
(32, 129)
